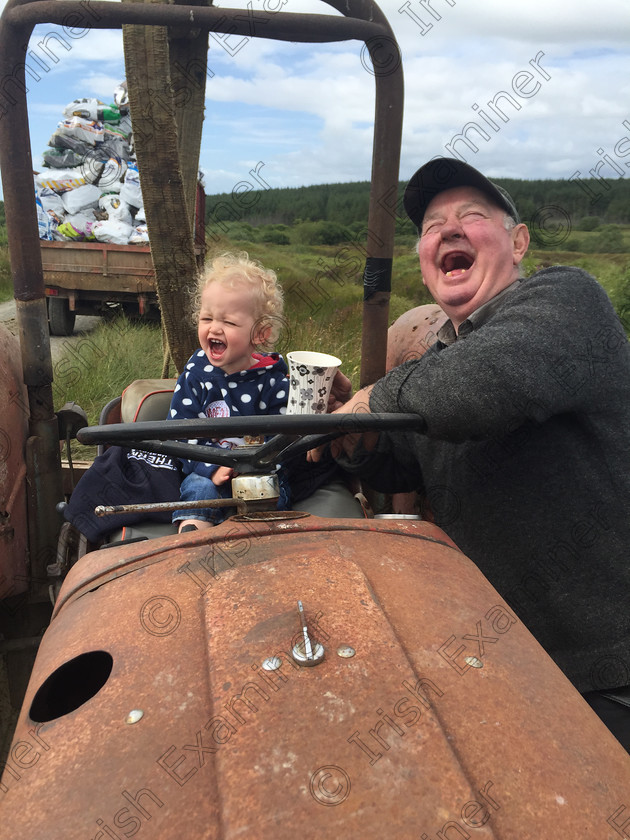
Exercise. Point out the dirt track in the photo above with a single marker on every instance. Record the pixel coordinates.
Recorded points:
(84, 324)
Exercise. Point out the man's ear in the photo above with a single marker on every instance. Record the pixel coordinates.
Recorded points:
(520, 242)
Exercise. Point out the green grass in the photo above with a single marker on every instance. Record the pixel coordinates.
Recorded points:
(6, 284)
(100, 365)
(323, 312)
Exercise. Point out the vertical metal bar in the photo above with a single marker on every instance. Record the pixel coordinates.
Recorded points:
(26, 268)
(381, 222)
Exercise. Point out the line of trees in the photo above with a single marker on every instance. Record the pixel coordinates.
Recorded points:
(607, 201)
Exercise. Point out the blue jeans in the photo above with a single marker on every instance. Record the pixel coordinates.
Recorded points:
(196, 488)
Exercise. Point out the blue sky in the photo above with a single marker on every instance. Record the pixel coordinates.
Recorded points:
(305, 110)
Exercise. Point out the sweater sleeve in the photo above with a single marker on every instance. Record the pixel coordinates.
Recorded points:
(540, 355)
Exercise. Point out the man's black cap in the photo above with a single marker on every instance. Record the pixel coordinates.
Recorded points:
(442, 174)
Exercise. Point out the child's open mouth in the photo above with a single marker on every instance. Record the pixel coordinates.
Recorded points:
(217, 348)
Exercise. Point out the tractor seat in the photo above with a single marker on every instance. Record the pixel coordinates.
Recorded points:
(143, 399)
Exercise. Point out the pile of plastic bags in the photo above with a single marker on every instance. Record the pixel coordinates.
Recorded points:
(90, 187)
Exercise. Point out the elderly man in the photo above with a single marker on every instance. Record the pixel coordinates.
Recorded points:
(524, 455)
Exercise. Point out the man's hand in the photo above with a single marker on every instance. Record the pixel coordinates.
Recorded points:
(221, 475)
(340, 392)
(358, 404)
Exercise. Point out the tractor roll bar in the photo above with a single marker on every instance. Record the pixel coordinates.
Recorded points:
(361, 20)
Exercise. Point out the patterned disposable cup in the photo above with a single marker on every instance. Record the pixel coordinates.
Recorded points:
(310, 380)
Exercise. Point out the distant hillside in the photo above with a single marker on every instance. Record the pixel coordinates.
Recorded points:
(344, 204)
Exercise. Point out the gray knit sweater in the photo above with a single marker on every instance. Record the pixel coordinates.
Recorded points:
(525, 462)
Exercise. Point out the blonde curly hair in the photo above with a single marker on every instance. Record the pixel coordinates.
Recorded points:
(237, 269)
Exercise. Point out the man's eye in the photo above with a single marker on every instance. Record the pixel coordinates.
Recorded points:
(431, 228)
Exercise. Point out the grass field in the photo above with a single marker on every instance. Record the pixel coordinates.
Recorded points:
(323, 296)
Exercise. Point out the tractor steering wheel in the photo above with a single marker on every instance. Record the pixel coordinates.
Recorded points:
(292, 435)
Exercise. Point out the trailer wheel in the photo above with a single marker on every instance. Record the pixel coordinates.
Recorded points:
(60, 317)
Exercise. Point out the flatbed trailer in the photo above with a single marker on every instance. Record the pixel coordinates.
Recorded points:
(88, 278)
(84, 278)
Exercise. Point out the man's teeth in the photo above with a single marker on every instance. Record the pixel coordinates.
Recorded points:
(455, 271)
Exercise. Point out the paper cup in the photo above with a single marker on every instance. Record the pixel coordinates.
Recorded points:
(310, 380)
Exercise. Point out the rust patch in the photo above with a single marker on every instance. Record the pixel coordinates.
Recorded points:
(401, 739)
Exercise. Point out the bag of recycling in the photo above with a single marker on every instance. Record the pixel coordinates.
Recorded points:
(87, 109)
(112, 175)
(124, 126)
(115, 145)
(89, 130)
(61, 158)
(130, 191)
(121, 95)
(81, 198)
(113, 231)
(115, 208)
(92, 109)
(59, 182)
(43, 220)
(139, 235)
(109, 114)
(79, 226)
(58, 140)
(53, 205)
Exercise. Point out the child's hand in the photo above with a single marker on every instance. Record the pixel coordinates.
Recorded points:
(221, 475)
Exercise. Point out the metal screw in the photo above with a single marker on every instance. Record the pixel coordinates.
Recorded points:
(272, 663)
(345, 651)
(134, 716)
(473, 661)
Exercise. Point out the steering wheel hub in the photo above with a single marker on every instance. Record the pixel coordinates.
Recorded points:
(254, 487)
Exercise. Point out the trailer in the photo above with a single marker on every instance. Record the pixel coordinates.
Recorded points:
(86, 278)
(89, 278)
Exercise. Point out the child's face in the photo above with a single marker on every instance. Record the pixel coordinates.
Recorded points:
(226, 326)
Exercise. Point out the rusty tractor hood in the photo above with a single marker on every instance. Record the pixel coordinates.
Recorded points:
(165, 701)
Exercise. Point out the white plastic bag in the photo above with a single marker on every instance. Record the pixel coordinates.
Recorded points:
(139, 235)
(53, 205)
(130, 191)
(82, 223)
(43, 220)
(112, 175)
(115, 208)
(85, 108)
(58, 181)
(89, 130)
(112, 231)
(81, 198)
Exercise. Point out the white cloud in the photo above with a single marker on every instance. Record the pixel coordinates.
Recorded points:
(320, 97)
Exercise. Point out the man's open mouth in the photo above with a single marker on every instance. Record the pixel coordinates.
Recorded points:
(456, 263)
